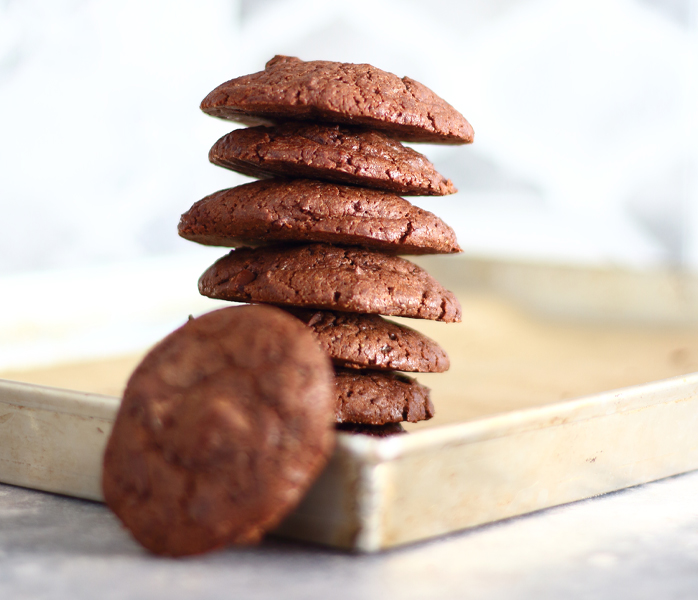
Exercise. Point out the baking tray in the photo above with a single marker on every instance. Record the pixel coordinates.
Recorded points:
(380, 493)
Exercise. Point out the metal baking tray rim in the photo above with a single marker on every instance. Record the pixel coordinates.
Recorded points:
(377, 450)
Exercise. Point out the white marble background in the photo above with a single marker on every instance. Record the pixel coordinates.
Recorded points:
(584, 111)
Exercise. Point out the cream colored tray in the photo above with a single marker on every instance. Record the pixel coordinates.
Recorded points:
(379, 493)
(523, 421)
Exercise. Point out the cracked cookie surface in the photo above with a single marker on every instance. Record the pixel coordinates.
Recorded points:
(330, 153)
(331, 278)
(377, 398)
(222, 428)
(333, 92)
(305, 210)
(371, 342)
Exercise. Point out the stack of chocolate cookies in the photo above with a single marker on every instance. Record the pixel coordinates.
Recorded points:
(320, 232)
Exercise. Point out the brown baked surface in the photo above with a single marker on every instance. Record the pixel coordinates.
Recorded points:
(223, 426)
(330, 153)
(373, 430)
(329, 277)
(354, 94)
(371, 342)
(377, 398)
(303, 210)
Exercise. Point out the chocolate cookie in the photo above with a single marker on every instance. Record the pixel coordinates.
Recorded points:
(330, 153)
(377, 398)
(222, 428)
(370, 342)
(373, 430)
(304, 210)
(330, 277)
(354, 94)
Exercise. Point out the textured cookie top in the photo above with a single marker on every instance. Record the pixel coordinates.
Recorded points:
(370, 342)
(377, 398)
(303, 210)
(331, 153)
(333, 92)
(330, 277)
(222, 428)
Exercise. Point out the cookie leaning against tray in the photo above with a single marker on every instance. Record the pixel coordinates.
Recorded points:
(223, 427)
(319, 235)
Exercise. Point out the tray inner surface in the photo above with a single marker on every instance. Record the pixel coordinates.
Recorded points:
(502, 358)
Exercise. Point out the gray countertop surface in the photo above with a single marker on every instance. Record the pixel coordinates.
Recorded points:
(636, 543)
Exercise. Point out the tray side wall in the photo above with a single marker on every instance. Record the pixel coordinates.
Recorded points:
(452, 488)
(379, 494)
(339, 505)
(52, 451)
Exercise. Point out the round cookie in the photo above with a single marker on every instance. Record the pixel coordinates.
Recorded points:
(377, 398)
(304, 210)
(330, 277)
(370, 342)
(223, 426)
(373, 430)
(330, 153)
(354, 94)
